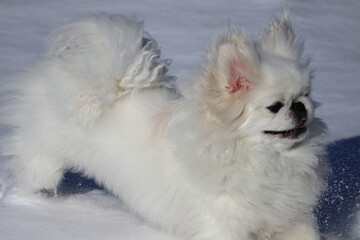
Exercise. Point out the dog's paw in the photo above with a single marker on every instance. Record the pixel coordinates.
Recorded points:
(301, 231)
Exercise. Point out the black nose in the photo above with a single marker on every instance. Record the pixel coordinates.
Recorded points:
(299, 111)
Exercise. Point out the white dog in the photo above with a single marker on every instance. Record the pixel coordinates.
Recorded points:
(228, 155)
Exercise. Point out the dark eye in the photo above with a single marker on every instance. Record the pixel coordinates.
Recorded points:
(275, 107)
(307, 94)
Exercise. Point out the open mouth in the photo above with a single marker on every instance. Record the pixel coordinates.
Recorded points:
(292, 133)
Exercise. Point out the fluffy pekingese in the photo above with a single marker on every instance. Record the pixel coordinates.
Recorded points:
(230, 154)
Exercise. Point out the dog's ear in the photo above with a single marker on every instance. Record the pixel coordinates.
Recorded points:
(232, 62)
(279, 39)
(234, 68)
(230, 72)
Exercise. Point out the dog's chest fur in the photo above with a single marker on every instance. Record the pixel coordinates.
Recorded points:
(256, 187)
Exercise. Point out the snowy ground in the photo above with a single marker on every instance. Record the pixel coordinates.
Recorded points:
(184, 29)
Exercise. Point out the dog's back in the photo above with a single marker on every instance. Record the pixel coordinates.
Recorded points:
(88, 65)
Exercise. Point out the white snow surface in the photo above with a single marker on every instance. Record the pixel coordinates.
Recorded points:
(183, 30)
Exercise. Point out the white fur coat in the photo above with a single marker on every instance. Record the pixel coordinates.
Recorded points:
(100, 101)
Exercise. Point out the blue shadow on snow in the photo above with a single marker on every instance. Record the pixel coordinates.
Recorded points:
(336, 208)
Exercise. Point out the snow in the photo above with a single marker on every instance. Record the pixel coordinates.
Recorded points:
(184, 30)
(95, 215)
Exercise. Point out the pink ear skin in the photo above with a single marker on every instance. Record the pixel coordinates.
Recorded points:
(237, 79)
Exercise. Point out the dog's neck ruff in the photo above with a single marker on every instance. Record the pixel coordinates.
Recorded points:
(258, 170)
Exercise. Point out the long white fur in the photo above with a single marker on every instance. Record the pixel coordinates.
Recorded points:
(196, 163)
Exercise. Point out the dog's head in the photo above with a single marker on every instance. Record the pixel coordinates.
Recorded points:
(258, 88)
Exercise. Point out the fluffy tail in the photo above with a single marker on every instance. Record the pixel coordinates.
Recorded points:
(109, 56)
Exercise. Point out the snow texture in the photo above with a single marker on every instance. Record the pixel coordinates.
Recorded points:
(183, 30)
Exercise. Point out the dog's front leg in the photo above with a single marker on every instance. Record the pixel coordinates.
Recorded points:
(300, 231)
